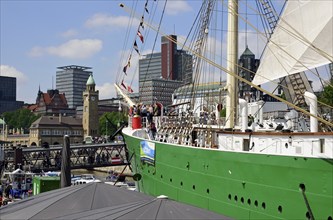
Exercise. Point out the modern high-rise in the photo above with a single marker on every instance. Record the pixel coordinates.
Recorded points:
(176, 64)
(8, 95)
(158, 90)
(72, 80)
(161, 73)
(150, 67)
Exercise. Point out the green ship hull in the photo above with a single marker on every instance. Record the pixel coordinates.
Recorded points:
(235, 184)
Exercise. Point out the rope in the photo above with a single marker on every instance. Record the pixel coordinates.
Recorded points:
(236, 76)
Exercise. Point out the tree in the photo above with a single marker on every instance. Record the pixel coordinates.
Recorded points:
(326, 95)
(21, 118)
(116, 118)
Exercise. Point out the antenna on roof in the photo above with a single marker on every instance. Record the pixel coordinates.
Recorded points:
(52, 82)
(246, 25)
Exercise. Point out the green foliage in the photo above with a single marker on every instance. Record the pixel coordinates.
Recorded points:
(283, 96)
(116, 118)
(21, 118)
(223, 113)
(326, 95)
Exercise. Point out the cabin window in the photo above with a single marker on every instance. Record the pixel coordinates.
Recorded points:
(322, 145)
(246, 143)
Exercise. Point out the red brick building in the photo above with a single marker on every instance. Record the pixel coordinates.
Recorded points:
(51, 103)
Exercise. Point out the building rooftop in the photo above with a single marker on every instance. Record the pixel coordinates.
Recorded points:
(247, 52)
(70, 67)
(56, 121)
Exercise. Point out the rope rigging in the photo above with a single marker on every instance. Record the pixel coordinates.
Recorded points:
(212, 63)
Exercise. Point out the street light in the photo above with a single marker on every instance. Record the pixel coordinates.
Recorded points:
(119, 109)
(106, 127)
(3, 128)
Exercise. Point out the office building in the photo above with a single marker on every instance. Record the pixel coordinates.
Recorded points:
(8, 95)
(176, 64)
(71, 80)
(161, 73)
(158, 90)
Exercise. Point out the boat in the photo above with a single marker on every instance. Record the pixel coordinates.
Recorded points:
(279, 167)
(17, 184)
(84, 179)
(119, 180)
(52, 173)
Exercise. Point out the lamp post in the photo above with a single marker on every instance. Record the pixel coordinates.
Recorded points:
(106, 127)
(119, 109)
(3, 128)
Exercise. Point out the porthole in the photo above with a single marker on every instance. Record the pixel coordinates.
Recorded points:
(207, 191)
(263, 205)
(193, 186)
(249, 201)
(148, 171)
(170, 180)
(161, 176)
(256, 203)
(236, 198)
(307, 215)
(181, 183)
(280, 209)
(242, 200)
(229, 196)
(329, 218)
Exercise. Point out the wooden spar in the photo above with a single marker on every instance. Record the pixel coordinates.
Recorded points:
(127, 99)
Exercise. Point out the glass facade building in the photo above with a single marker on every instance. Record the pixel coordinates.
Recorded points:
(72, 80)
(161, 73)
(8, 94)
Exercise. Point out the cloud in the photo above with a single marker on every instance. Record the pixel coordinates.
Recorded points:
(12, 72)
(100, 20)
(176, 7)
(21, 79)
(255, 42)
(69, 33)
(37, 52)
(106, 91)
(74, 49)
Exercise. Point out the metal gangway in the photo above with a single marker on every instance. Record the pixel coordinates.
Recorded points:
(87, 156)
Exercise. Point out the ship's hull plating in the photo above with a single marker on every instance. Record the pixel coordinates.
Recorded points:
(239, 185)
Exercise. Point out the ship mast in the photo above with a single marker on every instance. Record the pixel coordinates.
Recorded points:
(232, 49)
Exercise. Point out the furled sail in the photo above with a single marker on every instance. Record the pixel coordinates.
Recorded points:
(302, 40)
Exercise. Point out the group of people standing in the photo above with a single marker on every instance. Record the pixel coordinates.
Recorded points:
(148, 111)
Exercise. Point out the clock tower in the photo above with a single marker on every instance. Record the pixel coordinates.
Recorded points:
(90, 119)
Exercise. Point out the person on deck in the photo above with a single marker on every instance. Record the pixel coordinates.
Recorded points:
(152, 130)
